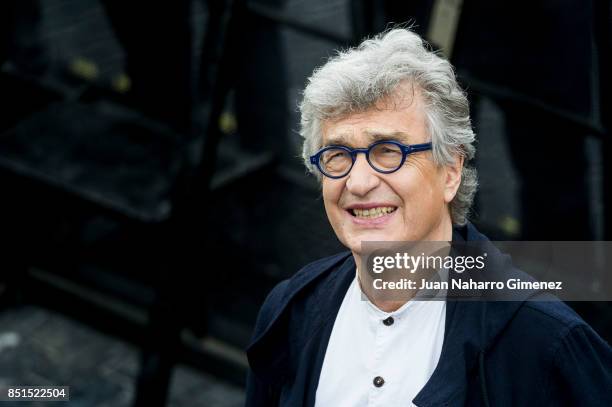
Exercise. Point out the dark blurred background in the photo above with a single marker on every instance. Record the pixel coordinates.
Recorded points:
(152, 190)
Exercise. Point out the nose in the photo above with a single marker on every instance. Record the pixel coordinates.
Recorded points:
(363, 178)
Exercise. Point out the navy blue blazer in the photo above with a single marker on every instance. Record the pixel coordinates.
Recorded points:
(520, 353)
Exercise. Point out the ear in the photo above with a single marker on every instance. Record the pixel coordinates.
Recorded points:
(453, 179)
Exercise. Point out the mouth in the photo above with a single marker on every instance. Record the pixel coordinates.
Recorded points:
(372, 213)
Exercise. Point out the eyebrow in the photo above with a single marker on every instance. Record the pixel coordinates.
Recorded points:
(373, 136)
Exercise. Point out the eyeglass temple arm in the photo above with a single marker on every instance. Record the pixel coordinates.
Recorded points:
(419, 147)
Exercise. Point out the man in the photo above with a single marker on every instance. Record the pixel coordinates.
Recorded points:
(387, 130)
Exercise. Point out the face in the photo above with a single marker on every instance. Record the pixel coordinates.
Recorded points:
(415, 198)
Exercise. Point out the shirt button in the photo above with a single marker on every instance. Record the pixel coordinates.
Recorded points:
(389, 321)
(379, 381)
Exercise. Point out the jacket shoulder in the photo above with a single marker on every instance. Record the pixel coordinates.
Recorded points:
(548, 325)
(312, 270)
(279, 296)
(552, 313)
(580, 361)
(549, 353)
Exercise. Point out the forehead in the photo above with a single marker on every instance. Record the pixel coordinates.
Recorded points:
(404, 122)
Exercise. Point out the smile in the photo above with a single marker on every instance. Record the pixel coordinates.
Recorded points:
(372, 213)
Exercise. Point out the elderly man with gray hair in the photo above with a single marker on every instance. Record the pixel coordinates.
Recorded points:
(387, 131)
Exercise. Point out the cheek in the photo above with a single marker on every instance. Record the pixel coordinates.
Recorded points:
(326, 193)
(331, 195)
(423, 187)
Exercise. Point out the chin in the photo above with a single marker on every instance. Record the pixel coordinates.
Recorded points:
(354, 243)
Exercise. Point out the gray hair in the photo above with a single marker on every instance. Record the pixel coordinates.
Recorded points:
(356, 79)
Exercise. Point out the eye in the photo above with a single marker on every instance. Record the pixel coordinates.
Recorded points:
(386, 149)
(334, 155)
(389, 150)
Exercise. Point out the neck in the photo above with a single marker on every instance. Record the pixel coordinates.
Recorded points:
(443, 233)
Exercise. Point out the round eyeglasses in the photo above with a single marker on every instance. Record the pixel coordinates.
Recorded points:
(384, 156)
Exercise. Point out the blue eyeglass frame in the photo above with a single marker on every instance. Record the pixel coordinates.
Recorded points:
(406, 150)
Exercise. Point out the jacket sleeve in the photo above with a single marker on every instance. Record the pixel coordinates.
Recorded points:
(259, 392)
(582, 372)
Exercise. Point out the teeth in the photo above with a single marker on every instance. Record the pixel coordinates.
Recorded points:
(373, 212)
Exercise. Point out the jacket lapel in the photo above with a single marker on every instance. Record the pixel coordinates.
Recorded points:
(448, 383)
(470, 329)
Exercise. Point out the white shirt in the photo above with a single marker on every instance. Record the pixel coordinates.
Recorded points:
(362, 350)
